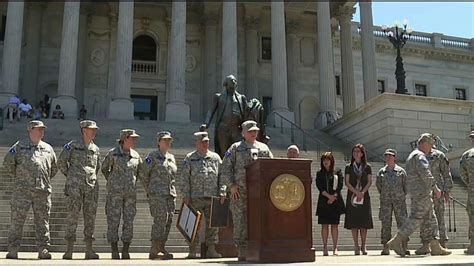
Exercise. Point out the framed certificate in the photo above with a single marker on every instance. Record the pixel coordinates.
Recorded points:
(188, 222)
(219, 212)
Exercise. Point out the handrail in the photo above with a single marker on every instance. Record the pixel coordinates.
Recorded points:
(305, 135)
(457, 201)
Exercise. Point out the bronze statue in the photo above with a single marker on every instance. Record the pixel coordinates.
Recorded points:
(230, 109)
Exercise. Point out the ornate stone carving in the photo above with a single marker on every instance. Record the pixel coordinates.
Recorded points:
(145, 23)
(97, 57)
(191, 63)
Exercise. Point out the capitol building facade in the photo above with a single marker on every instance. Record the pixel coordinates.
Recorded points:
(307, 61)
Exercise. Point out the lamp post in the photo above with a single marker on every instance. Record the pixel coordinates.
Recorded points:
(398, 37)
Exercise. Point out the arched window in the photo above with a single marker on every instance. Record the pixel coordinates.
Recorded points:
(144, 48)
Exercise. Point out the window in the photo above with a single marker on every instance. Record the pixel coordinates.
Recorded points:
(266, 48)
(144, 107)
(144, 48)
(420, 89)
(460, 94)
(338, 85)
(381, 85)
(2, 32)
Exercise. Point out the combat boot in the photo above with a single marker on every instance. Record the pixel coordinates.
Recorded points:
(424, 249)
(115, 252)
(44, 254)
(212, 253)
(12, 253)
(192, 251)
(153, 254)
(162, 249)
(437, 249)
(470, 249)
(90, 254)
(125, 253)
(385, 250)
(396, 244)
(69, 249)
(242, 253)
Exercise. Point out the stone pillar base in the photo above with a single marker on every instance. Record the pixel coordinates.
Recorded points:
(121, 109)
(177, 112)
(68, 106)
(325, 119)
(274, 120)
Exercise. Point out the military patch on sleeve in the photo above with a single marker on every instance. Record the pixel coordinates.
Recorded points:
(227, 154)
(424, 161)
(67, 146)
(12, 150)
(148, 160)
(184, 162)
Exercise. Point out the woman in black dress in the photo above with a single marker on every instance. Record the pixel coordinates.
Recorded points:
(330, 203)
(358, 179)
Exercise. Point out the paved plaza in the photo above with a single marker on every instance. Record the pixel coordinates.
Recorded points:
(344, 258)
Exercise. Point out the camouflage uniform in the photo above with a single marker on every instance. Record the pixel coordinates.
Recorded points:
(439, 167)
(236, 158)
(420, 183)
(32, 167)
(121, 170)
(391, 185)
(80, 164)
(199, 181)
(466, 171)
(159, 172)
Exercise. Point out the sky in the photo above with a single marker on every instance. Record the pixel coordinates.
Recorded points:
(453, 19)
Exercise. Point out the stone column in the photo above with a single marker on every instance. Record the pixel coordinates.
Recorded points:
(121, 107)
(279, 67)
(292, 27)
(348, 87)
(369, 70)
(176, 108)
(33, 35)
(229, 39)
(12, 51)
(211, 86)
(66, 97)
(327, 90)
(252, 24)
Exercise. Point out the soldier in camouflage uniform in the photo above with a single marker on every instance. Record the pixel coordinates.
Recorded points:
(439, 167)
(32, 164)
(159, 171)
(239, 155)
(466, 170)
(420, 184)
(198, 183)
(391, 185)
(79, 161)
(121, 168)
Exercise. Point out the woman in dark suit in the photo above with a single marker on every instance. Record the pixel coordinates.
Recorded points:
(330, 203)
(358, 179)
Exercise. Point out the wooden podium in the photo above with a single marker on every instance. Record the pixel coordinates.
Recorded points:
(279, 211)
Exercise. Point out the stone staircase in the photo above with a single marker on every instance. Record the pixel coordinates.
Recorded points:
(60, 131)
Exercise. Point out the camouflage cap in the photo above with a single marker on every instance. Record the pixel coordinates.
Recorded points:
(426, 137)
(163, 135)
(249, 125)
(35, 123)
(124, 133)
(201, 136)
(390, 152)
(88, 124)
(472, 134)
